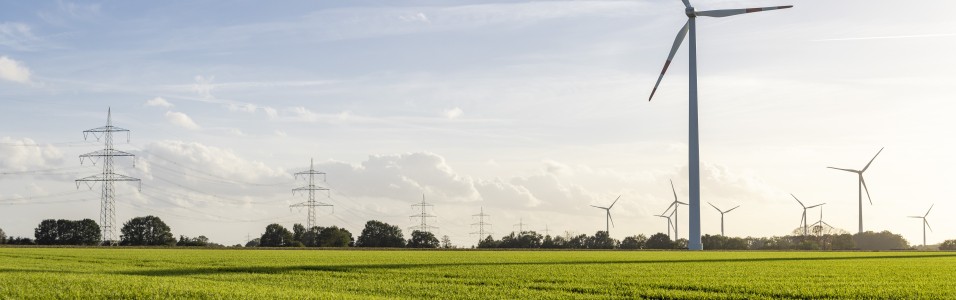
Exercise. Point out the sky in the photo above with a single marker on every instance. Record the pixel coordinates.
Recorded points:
(531, 111)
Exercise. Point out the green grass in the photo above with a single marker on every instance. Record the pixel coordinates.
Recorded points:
(230, 274)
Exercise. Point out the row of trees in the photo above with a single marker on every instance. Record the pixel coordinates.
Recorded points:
(375, 234)
(600, 240)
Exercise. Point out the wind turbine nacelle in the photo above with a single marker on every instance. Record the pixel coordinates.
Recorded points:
(690, 12)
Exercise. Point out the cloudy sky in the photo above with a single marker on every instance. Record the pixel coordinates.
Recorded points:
(532, 110)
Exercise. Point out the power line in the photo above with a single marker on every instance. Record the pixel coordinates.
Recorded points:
(108, 177)
(423, 226)
(311, 188)
(481, 225)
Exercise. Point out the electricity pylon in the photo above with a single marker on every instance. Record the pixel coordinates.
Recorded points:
(108, 192)
(311, 188)
(520, 226)
(481, 225)
(423, 226)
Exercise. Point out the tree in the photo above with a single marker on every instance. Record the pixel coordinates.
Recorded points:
(67, 232)
(334, 237)
(577, 242)
(253, 243)
(659, 241)
(884, 240)
(380, 234)
(488, 242)
(201, 241)
(297, 231)
(422, 239)
(3, 237)
(635, 242)
(146, 231)
(601, 240)
(446, 242)
(946, 245)
(276, 236)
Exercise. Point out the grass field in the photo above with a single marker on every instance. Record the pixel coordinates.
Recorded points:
(178, 273)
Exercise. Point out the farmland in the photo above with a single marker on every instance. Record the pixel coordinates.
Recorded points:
(179, 273)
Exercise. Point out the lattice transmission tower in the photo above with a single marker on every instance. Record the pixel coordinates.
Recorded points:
(520, 226)
(482, 233)
(311, 188)
(108, 177)
(423, 226)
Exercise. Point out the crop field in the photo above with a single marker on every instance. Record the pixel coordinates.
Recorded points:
(297, 274)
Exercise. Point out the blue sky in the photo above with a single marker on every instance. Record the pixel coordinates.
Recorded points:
(533, 110)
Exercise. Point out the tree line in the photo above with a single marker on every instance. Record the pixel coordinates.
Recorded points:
(152, 231)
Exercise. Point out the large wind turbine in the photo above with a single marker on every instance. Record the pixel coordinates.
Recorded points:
(693, 144)
(722, 216)
(862, 185)
(608, 222)
(803, 219)
(676, 204)
(925, 223)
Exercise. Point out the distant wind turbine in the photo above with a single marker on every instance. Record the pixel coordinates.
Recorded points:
(676, 204)
(694, 142)
(862, 185)
(669, 223)
(609, 221)
(821, 223)
(722, 216)
(925, 223)
(803, 218)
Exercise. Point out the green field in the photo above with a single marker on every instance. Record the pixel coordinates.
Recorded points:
(296, 274)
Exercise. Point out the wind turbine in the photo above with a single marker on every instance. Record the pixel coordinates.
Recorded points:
(609, 221)
(803, 219)
(676, 204)
(821, 222)
(669, 223)
(722, 216)
(925, 223)
(694, 142)
(862, 185)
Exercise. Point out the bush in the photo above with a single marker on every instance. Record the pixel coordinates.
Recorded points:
(948, 245)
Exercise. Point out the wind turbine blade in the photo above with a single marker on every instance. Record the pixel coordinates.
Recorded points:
(798, 201)
(610, 218)
(674, 190)
(871, 160)
(673, 204)
(720, 13)
(615, 202)
(848, 170)
(712, 205)
(605, 208)
(927, 225)
(862, 181)
(677, 41)
(735, 207)
(916, 217)
(930, 208)
(686, 3)
(809, 207)
(682, 203)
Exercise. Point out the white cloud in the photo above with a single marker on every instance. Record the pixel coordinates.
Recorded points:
(204, 86)
(159, 102)
(13, 70)
(181, 120)
(453, 113)
(271, 112)
(281, 133)
(23, 154)
(213, 160)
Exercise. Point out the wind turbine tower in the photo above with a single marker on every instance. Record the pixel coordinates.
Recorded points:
(693, 144)
(669, 223)
(608, 221)
(311, 204)
(722, 216)
(925, 223)
(107, 177)
(861, 185)
(803, 218)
